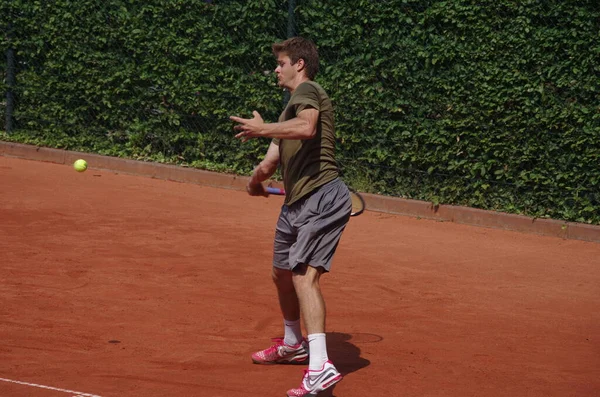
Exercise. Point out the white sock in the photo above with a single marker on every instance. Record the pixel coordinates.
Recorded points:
(317, 346)
(293, 332)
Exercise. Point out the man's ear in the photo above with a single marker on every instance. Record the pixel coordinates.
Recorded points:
(300, 65)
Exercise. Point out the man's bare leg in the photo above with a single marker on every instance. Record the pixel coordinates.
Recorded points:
(290, 307)
(312, 306)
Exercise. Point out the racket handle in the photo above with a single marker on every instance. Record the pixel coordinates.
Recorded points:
(275, 190)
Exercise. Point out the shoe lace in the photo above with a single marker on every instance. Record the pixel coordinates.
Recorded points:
(273, 349)
(304, 376)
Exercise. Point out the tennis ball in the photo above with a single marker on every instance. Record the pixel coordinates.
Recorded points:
(80, 165)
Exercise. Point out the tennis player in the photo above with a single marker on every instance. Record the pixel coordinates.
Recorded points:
(314, 214)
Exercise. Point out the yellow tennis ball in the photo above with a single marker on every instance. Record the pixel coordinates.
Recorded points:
(80, 165)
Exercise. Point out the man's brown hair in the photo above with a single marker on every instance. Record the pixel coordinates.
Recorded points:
(300, 48)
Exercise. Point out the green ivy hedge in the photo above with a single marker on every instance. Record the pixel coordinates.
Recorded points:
(489, 104)
(152, 80)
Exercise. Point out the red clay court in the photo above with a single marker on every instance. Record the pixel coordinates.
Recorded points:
(115, 285)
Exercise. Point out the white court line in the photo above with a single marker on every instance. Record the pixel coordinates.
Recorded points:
(75, 393)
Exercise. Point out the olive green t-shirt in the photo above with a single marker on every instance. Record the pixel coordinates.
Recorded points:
(307, 164)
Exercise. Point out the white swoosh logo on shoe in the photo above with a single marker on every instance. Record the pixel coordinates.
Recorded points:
(312, 382)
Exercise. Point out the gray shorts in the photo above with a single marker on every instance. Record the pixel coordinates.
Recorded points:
(309, 230)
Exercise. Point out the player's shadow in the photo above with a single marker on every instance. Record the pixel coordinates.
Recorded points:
(346, 355)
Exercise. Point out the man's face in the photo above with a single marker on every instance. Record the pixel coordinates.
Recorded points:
(286, 72)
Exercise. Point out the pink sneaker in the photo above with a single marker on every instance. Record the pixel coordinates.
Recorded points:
(315, 382)
(280, 353)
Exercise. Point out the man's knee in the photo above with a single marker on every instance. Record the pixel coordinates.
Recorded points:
(305, 276)
(282, 279)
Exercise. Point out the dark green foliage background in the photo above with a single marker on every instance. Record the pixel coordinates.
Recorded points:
(488, 104)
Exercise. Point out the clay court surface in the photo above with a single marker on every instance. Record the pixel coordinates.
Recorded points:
(117, 285)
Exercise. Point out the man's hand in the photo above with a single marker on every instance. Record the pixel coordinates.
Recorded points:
(256, 189)
(249, 128)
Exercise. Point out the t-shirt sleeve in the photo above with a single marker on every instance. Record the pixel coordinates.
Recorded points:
(308, 97)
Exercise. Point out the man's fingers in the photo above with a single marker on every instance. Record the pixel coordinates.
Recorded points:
(257, 116)
(256, 190)
(243, 136)
(237, 119)
(244, 127)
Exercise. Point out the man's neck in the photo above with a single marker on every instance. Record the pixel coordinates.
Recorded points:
(297, 82)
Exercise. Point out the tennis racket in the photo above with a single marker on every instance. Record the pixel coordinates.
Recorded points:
(358, 203)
